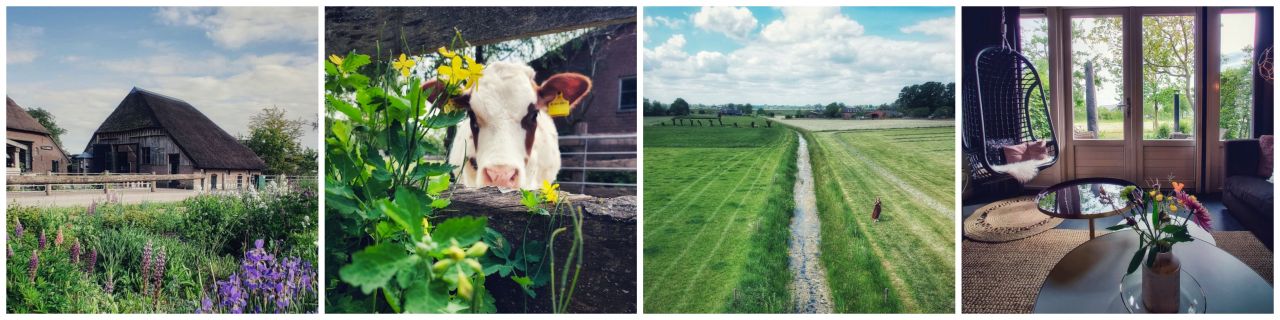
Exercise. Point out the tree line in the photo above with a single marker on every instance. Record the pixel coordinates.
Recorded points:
(925, 100)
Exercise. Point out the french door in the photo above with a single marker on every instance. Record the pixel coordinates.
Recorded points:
(1132, 98)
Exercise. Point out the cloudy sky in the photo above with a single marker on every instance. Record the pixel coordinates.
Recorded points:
(229, 63)
(795, 55)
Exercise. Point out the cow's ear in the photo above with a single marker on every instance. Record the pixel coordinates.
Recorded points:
(572, 85)
(435, 90)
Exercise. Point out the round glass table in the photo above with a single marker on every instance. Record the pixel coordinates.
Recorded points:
(1088, 198)
(1087, 279)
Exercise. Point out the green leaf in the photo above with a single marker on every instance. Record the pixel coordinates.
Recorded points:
(338, 196)
(1151, 255)
(329, 69)
(1118, 227)
(1174, 229)
(346, 108)
(1136, 261)
(466, 230)
(373, 267)
(438, 184)
(411, 221)
(445, 120)
(526, 284)
(354, 61)
(392, 298)
(440, 203)
(426, 297)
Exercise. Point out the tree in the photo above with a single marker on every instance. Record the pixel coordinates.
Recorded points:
(46, 119)
(832, 110)
(277, 140)
(679, 108)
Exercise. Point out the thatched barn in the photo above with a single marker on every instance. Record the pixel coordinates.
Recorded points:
(28, 145)
(154, 133)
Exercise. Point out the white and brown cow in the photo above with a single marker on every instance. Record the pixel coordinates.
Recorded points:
(508, 140)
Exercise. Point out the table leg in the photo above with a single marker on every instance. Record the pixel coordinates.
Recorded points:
(1090, 228)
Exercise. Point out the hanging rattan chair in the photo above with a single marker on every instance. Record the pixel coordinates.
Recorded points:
(997, 112)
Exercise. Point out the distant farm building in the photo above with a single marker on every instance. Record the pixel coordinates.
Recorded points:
(847, 113)
(28, 145)
(607, 55)
(153, 133)
(878, 114)
(727, 111)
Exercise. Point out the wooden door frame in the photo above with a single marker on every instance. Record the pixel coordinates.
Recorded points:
(1064, 79)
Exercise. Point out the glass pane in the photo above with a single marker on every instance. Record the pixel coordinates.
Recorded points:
(1235, 85)
(1097, 77)
(1168, 77)
(1035, 46)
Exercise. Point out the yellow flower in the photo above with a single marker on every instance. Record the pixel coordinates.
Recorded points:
(404, 65)
(1152, 193)
(449, 107)
(1173, 208)
(1160, 197)
(549, 190)
(446, 53)
(337, 61)
(464, 286)
(474, 72)
(426, 226)
(453, 72)
(1193, 198)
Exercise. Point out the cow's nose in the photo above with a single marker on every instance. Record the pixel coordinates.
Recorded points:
(501, 176)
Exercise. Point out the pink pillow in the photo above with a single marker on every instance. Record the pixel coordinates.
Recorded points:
(1013, 153)
(1037, 150)
(1268, 155)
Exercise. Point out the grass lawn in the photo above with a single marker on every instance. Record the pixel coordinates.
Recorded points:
(718, 202)
(905, 262)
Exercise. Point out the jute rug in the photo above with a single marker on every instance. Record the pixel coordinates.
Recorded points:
(1006, 277)
(1008, 220)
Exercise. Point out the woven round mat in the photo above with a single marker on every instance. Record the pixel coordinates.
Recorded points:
(1008, 220)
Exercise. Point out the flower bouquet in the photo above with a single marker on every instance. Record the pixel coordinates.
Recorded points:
(1152, 218)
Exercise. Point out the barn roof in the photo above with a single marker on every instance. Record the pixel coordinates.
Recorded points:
(19, 119)
(208, 146)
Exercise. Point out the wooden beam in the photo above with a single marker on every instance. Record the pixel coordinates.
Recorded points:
(418, 30)
(85, 179)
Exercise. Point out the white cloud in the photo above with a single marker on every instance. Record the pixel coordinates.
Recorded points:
(944, 27)
(735, 22)
(807, 56)
(235, 27)
(22, 47)
(670, 23)
(810, 23)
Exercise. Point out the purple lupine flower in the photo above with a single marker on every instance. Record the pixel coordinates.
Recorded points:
(159, 268)
(110, 286)
(146, 266)
(91, 261)
(32, 265)
(17, 230)
(42, 240)
(75, 252)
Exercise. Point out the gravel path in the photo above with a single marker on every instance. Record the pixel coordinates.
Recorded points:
(809, 283)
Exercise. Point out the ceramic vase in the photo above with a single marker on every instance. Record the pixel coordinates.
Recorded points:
(1160, 284)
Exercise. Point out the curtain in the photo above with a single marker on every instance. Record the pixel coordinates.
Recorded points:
(1263, 91)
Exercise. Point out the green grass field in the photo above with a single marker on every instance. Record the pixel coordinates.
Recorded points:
(905, 262)
(717, 206)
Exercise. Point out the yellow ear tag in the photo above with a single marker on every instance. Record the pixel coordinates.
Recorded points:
(558, 107)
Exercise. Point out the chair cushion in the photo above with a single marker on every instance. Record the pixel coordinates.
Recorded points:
(1034, 150)
(1266, 164)
(1252, 189)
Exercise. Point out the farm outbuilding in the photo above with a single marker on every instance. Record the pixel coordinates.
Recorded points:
(154, 133)
(28, 144)
(607, 56)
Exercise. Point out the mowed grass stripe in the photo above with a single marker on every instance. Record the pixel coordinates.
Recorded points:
(915, 249)
(757, 184)
(684, 194)
(682, 247)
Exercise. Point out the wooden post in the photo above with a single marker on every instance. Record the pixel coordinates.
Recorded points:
(48, 189)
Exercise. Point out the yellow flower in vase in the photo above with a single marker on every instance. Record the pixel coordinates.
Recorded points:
(404, 64)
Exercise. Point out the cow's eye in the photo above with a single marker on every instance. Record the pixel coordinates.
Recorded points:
(530, 120)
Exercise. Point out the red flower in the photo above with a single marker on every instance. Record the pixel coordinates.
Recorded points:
(1199, 214)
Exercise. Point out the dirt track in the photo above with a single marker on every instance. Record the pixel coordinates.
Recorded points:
(809, 283)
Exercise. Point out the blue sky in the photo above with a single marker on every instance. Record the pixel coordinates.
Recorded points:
(228, 62)
(857, 55)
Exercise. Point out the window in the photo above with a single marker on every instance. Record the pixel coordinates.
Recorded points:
(1034, 38)
(1235, 77)
(1168, 73)
(1098, 103)
(627, 94)
(146, 156)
